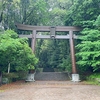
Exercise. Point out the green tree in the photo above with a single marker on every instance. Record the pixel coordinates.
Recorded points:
(15, 52)
(83, 13)
(89, 49)
(97, 22)
(33, 12)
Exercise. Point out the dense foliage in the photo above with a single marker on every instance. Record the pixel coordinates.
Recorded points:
(89, 49)
(15, 52)
(54, 53)
(83, 13)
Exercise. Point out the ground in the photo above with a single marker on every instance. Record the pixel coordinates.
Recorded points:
(49, 90)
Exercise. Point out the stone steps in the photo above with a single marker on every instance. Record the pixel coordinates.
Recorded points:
(51, 76)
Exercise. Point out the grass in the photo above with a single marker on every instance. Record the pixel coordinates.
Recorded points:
(93, 79)
(91, 82)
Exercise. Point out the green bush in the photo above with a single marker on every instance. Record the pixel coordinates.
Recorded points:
(11, 76)
(95, 78)
(5, 80)
(39, 70)
(22, 75)
(15, 76)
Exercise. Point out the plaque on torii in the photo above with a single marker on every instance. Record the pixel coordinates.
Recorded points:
(53, 35)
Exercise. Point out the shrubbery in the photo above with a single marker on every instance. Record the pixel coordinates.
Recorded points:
(14, 76)
(94, 78)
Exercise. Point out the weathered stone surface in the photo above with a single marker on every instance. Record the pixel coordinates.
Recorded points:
(30, 77)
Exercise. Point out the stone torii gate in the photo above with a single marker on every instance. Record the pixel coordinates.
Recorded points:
(53, 30)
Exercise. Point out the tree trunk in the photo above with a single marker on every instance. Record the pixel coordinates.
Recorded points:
(0, 77)
(8, 67)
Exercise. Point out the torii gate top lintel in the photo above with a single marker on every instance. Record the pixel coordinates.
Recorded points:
(47, 28)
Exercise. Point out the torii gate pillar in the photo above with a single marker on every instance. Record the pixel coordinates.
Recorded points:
(74, 71)
(75, 76)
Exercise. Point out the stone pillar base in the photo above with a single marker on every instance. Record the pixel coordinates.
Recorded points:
(30, 78)
(75, 78)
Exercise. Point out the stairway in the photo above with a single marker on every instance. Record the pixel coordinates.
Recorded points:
(51, 76)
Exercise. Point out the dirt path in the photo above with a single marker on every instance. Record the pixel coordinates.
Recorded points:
(49, 90)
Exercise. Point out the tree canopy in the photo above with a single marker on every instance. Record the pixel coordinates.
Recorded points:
(89, 49)
(15, 52)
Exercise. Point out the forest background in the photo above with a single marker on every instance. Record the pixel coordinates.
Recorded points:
(54, 54)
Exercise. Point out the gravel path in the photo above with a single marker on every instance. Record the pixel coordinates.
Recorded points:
(49, 90)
